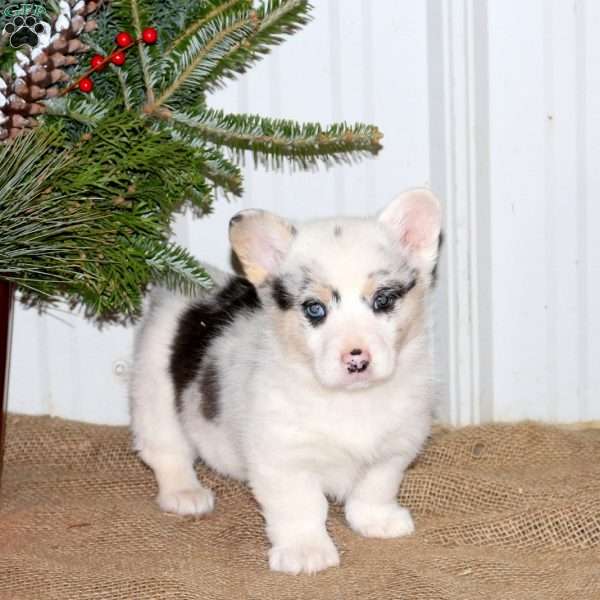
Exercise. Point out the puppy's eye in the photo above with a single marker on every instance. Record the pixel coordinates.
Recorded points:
(384, 301)
(315, 311)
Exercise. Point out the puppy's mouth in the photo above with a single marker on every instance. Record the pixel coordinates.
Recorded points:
(360, 384)
(358, 379)
(351, 381)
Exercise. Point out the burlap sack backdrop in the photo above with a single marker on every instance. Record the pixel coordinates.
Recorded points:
(502, 512)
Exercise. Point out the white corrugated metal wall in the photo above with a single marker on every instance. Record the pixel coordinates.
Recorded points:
(494, 103)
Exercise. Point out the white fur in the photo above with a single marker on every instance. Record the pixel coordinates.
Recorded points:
(292, 421)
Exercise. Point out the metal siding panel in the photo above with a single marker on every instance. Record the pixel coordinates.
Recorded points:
(562, 208)
(517, 140)
(29, 385)
(543, 102)
(588, 193)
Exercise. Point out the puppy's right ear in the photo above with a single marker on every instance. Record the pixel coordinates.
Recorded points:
(260, 240)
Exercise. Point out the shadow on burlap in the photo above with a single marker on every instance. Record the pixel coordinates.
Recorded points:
(502, 512)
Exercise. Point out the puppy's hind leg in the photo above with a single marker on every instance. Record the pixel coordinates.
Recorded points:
(160, 439)
(179, 490)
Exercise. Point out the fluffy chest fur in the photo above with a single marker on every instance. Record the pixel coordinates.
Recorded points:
(337, 437)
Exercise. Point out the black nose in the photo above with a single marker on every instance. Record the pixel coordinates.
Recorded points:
(358, 367)
(356, 351)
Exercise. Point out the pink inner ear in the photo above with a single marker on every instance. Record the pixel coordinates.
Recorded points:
(268, 251)
(418, 228)
(415, 217)
(268, 241)
(260, 240)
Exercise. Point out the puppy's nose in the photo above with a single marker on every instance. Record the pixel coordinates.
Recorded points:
(357, 360)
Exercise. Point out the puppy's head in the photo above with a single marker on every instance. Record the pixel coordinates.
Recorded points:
(346, 294)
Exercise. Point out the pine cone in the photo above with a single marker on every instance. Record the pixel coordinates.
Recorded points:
(36, 73)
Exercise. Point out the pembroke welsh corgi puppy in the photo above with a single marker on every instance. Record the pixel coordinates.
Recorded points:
(308, 378)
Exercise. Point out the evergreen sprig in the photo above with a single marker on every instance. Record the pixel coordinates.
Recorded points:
(200, 46)
(72, 224)
(274, 141)
(86, 203)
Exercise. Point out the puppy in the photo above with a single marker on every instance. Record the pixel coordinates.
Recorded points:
(309, 378)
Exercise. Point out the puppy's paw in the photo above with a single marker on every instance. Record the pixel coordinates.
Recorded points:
(196, 501)
(379, 521)
(309, 556)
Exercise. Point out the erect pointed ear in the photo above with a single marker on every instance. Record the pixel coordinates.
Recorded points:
(261, 240)
(415, 218)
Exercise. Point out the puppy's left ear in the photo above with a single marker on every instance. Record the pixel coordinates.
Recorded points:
(260, 240)
(415, 218)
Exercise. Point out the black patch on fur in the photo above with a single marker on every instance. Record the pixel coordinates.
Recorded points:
(293, 230)
(434, 271)
(202, 323)
(335, 296)
(281, 295)
(210, 390)
(337, 231)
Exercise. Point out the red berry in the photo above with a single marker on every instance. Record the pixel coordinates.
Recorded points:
(123, 39)
(150, 35)
(86, 85)
(98, 62)
(118, 58)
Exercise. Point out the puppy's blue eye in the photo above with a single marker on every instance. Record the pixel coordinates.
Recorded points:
(315, 311)
(383, 301)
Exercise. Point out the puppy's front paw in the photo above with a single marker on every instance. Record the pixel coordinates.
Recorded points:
(197, 501)
(309, 556)
(379, 521)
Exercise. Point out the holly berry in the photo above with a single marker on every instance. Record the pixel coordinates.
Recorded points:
(150, 35)
(123, 39)
(98, 62)
(86, 85)
(118, 58)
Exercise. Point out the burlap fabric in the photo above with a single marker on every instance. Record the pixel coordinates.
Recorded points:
(502, 512)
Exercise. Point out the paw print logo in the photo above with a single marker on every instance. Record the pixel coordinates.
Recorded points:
(24, 31)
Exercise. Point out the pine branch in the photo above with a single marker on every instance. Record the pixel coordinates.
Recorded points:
(305, 144)
(211, 11)
(128, 102)
(273, 20)
(26, 169)
(200, 203)
(173, 266)
(213, 165)
(74, 218)
(186, 68)
(142, 50)
(133, 81)
(221, 172)
(88, 111)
